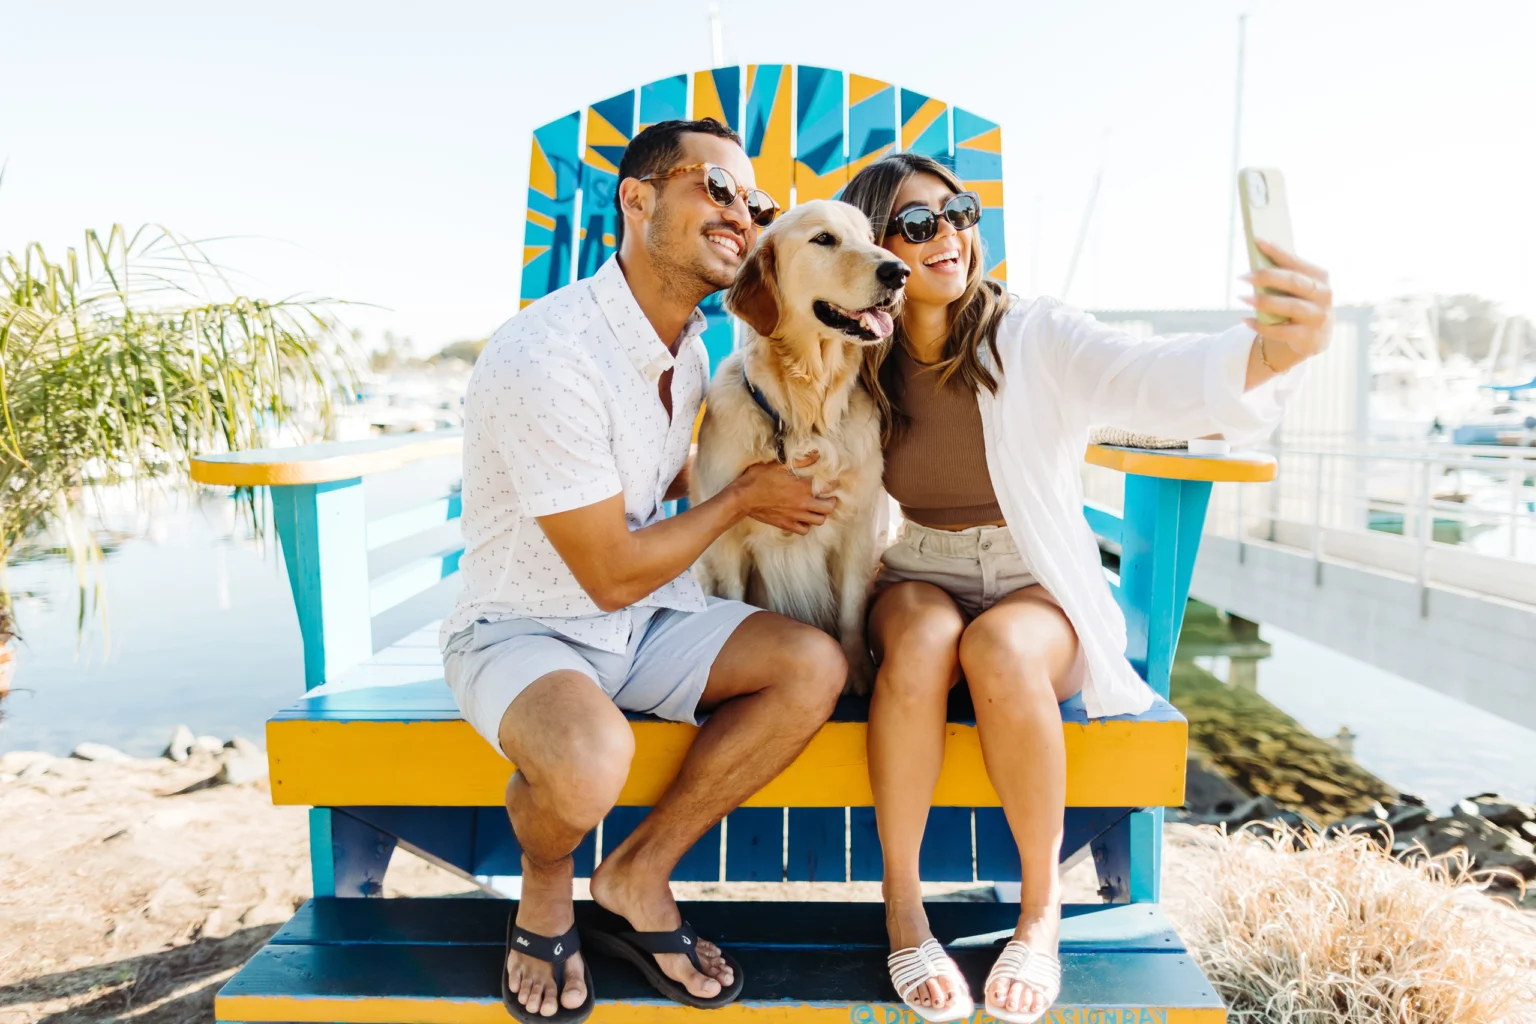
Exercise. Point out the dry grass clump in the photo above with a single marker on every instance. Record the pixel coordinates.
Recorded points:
(1298, 928)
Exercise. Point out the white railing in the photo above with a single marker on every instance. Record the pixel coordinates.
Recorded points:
(1461, 516)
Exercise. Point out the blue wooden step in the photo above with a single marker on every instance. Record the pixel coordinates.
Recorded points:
(438, 960)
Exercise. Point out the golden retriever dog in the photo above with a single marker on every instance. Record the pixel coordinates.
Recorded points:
(810, 296)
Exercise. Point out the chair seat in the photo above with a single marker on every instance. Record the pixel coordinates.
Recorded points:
(435, 960)
(388, 733)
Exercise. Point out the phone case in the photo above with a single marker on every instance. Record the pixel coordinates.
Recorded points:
(1266, 215)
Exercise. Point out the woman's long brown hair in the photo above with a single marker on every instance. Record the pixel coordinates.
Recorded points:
(973, 317)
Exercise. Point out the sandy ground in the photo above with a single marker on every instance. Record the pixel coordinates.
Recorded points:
(133, 891)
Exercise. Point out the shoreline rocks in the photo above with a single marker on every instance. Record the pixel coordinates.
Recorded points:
(233, 763)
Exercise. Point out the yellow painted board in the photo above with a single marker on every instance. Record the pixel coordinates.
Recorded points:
(322, 463)
(1239, 467)
(467, 1011)
(439, 763)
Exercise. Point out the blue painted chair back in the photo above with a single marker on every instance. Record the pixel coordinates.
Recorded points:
(807, 130)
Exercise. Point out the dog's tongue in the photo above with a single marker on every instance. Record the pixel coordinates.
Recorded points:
(877, 322)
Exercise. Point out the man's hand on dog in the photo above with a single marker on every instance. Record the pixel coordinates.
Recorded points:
(771, 494)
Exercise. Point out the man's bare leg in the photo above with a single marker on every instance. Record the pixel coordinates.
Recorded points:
(572, 749)
(773, 685)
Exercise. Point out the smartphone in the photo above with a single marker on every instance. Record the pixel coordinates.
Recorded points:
(1266, 215)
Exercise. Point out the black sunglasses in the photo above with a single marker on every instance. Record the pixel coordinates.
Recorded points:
(918, 224)
(720, 185)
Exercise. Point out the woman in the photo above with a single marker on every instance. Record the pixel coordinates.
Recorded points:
(986, 402)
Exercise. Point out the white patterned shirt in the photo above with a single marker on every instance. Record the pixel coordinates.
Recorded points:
(562, 412)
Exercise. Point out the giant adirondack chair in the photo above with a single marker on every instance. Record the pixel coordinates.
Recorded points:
(378, 752)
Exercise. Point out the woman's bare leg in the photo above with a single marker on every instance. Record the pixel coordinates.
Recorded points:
(914, 630)
(1017, 657)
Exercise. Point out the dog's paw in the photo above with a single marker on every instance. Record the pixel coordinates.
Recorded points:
(861, 674)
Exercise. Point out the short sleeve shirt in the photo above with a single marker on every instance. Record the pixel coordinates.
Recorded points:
(562, 412)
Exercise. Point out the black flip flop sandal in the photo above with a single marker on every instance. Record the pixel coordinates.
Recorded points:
(639, 948)
(555, 951)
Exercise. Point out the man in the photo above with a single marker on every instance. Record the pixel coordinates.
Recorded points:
(577, 603)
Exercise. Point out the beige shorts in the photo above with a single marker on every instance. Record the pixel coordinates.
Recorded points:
(977, 567)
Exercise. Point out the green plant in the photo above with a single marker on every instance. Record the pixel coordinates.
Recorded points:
(118, 365)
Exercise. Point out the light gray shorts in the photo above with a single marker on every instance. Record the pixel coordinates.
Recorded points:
(977, 567)
(662, 672)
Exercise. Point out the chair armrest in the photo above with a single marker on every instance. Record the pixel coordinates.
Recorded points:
(324, 462)
(1173, 464)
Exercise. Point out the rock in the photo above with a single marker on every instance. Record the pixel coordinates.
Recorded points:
(1208, 795)
(1488, 845)
(8, 777)
(36, 767)
(208, 745)
(180, 747)
(1407, 815)
(1372, 825)
(243, 747)
(99, 752)
(238, 769)
(16, 761)
(1510, 814)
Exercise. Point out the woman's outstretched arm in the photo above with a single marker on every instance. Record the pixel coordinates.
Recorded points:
(1188, 385)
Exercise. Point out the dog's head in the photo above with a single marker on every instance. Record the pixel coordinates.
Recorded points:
(817, 272)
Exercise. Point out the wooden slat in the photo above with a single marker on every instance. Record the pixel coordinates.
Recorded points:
(610, 126)
(866, 863)
(665, 99)
(925, 126)
(327, 462)
(821, 160)
(717, 93)
(399, 526)
(871, 121)
(1174, 464)
(549, 229)
(946, 854)
(979, 163)
(349, 748)
(818, 838)
(766, 128)
(754, 845)
(406, 582)
(1104, 522)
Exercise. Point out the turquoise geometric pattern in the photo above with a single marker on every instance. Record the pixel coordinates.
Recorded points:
(925, 126)
(806, 129)
(766, 129)
(664, 100)
(610, 126)
(821, 164)
(871, 121)
(979, 163)
(717, 94)
(547, 232)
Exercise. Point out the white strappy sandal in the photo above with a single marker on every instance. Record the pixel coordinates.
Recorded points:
(1037, 969)
(918, 965)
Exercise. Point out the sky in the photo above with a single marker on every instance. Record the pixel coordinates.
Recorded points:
(377, 152)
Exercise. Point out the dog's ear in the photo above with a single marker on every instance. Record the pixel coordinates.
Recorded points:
(754, 295)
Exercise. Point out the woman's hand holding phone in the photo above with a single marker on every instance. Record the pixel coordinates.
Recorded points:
(1298, 292)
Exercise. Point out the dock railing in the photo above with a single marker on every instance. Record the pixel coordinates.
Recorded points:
(1461, 516)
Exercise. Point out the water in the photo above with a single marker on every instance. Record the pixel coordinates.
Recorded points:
(201, 630)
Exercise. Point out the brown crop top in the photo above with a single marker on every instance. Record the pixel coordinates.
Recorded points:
(936, 468)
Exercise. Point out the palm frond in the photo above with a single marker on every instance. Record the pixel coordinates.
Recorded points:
(121, 360)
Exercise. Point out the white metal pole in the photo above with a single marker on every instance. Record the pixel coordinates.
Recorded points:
(1426, 529)
(1237, 141)
(1317, 524)
(1516, 481)
(716, 37)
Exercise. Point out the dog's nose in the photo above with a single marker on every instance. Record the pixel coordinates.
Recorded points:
(892, 273)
